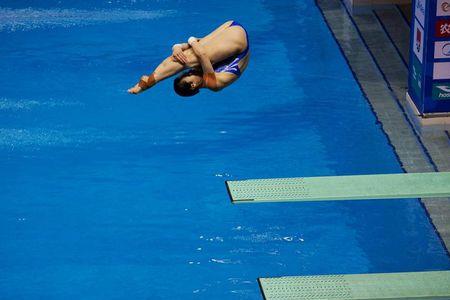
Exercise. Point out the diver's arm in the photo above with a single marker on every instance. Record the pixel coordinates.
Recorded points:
(209, 76)
(200, 52)
(166, 69)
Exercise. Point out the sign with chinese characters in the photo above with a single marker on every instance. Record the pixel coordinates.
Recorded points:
(442, 28)
(429, 68)
(443, 8)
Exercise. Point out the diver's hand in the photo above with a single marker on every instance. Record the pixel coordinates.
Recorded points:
(178, 55)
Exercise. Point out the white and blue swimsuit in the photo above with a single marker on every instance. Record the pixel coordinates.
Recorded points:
(230, 65)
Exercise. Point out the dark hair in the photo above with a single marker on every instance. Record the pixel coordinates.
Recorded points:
(184, 88)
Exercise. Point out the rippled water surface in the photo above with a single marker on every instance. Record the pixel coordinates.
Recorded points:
(110, 196)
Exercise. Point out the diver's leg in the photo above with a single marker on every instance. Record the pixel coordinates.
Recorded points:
(167, 68)
(226, 44)
(216, 31)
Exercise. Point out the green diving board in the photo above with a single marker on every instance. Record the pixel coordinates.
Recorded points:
(356, 187)
(415, 285)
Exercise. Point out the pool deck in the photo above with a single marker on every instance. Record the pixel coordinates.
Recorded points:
(375, 45)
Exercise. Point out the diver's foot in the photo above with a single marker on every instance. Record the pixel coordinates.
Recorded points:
(135, 89)
(141, 86)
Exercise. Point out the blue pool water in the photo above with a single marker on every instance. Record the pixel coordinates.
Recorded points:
(110, 196)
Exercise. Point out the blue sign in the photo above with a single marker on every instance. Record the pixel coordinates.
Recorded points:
(429, 68)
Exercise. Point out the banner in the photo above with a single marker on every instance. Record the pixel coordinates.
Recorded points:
(429, 68)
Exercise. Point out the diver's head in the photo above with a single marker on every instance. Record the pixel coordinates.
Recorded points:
(189, 83)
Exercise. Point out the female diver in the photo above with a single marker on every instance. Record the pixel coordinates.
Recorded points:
(214, 62)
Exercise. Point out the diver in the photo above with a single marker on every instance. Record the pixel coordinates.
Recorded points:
(214, 62)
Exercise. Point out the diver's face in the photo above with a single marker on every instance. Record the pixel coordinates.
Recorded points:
(194, 79)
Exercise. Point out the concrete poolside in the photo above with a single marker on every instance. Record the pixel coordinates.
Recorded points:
(375, 44)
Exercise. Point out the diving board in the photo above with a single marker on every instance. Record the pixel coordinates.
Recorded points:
(414, 285)
(356, 187)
